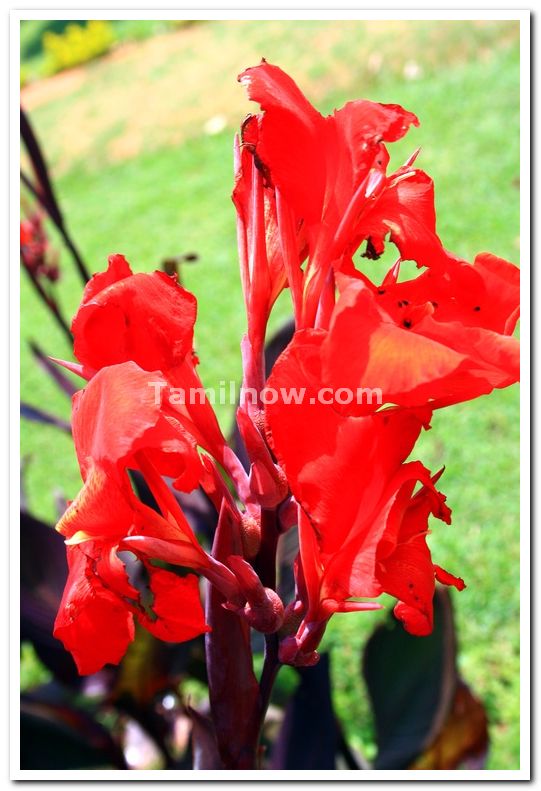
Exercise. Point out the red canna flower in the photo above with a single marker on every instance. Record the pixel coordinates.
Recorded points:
(95, 620)
(385, 553)
(329, 174)
(118, 424)
(438, 339)
(148, 319)
(360, 526)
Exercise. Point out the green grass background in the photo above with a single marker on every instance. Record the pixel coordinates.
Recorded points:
(173, 197)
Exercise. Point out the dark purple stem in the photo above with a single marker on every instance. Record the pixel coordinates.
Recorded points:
(265, 565)
(51, 304)
(265, 562)
(271, 666)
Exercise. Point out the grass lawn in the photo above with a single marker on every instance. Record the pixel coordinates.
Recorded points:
(135, 173)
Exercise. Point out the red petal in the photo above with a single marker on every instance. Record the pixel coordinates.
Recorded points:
(404, 366)
(449, 579)
(336, 466)
(117, 269)
(294, 160)
(499, 310)
(362, 124)
(310, 566)
(405, 209)
(93, 623)
(355, 569)
(424, 361)
(111, 569)
(147, 318)
(101, 510)
(494, 359)
(405, 567)
(107, 510)
(484, 295)
(415, 622)
(363, 120)
(177, 607)
(120, 413)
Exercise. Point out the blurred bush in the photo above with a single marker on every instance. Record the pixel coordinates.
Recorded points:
(76, 44)
(52, 45)
(32, 31)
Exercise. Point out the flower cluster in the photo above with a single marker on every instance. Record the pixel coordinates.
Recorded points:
(309, 192)
(35, 250)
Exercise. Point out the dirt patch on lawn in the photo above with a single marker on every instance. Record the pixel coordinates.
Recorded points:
(67, 82)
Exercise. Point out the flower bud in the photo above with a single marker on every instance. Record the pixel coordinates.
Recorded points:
(290, 653)
(250, 532)
(263, 610)
(268, 483)
(266, 614)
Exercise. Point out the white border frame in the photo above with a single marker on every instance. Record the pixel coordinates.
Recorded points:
(523, 17)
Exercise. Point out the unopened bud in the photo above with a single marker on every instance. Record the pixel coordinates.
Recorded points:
(291, 653)
(268, 483)
(307, 660)
(250, 532)
(266, 614)
(263, 610)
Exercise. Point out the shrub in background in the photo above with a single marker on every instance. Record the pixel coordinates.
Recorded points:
(77, 44)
